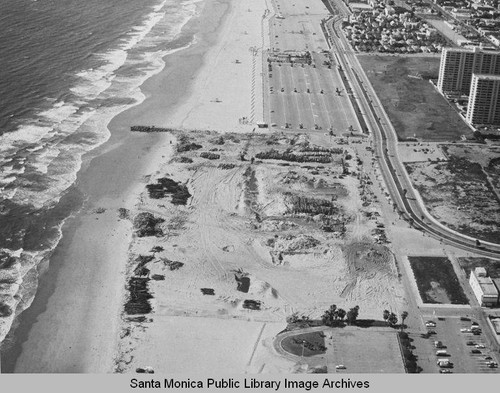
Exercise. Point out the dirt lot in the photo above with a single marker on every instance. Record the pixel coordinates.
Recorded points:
(279, 228)
(437, 281)
(462, 192)
(414, 107)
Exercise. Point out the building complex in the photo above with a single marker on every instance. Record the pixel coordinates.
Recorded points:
(483, 287)
(476, 73)
(458, 65)
(484, 100)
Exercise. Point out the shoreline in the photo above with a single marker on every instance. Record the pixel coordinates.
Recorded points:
(68, 328)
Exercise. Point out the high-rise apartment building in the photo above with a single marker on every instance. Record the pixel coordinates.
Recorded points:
(484, 100)
(458, 65)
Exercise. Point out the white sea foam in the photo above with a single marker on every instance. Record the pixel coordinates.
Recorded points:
(55, 154)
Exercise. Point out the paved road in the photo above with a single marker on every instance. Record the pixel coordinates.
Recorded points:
(396, 178)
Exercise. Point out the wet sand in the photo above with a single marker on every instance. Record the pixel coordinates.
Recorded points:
(72, 325)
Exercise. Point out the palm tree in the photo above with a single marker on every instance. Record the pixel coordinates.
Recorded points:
(330, 315)
(404, 315)
(393, 319)
(385, 315)
(352, 315)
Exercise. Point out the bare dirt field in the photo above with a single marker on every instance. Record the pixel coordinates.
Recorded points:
(462, 192)
(414, 107)
(279, 228)
(437, 281)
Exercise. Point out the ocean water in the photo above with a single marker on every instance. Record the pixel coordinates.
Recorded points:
(67, 68)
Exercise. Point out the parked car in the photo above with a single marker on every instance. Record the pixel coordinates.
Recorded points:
(444, 363)
(438, 344)
(465, 330)
(480, 346)
(430, 324)
(470, 343)
(340, 367)
(445, 371)
(475, 351)
(488, 358)
(492, 364)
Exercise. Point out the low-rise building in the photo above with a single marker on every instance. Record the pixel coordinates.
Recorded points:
(483, 287)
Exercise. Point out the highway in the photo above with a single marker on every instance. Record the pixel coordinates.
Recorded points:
(397, 181)
(399, 185)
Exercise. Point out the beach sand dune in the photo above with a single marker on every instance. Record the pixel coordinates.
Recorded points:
(233, 279)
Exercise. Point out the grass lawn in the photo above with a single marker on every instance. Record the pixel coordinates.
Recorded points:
(314, 344)
(414, 107)
(436, 280)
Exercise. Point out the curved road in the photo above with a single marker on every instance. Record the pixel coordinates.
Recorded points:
(407, 200)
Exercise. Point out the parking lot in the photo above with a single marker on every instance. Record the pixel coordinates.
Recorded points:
(304, 96)
(457, 344)
(364, 350)
(309, 97)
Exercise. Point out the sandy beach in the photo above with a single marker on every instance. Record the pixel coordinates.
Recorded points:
(72, 325)
(231, 262)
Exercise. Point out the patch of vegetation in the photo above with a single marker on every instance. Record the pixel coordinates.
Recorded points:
(142, 260)
(172, 265)
(123, 213)
(146, 224)
(157, 249)
(413, 105)
(226, 166)
(459, 194)
(312, 206)
(209, 155)
(288, 155)
(165, 186)
(251, 304)
(185, 144)
(138, 302)
(334, 316)
(409, 358)
(218, 141)
(309, 344)
(437, 271)
(470, 263)
(182, 160)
